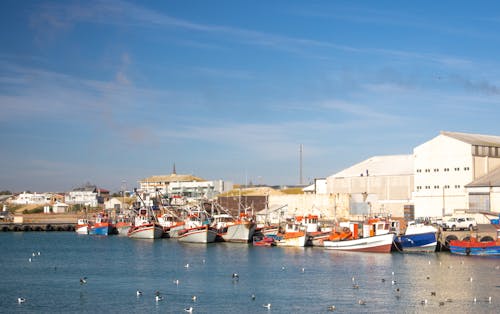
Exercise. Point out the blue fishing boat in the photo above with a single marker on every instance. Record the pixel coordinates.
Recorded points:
(418, 238)
(474, 247)
(102, 226)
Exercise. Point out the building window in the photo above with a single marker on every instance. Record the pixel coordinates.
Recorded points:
(466, 168)
(436, 170)
(457, 169)
(419, 170)
(457, 186)
(446, 169)
(436, 187)
(427, 170)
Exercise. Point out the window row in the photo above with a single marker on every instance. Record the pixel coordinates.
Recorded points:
(445, 169)
(436, 187)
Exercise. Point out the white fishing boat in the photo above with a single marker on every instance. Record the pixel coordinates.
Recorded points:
(201, 234)
(145, 226)
(294, 235)
(376, 238)
(233, 230)
(376, 244)
(82, 226)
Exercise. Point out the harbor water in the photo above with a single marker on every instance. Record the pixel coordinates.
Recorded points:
(45, 268)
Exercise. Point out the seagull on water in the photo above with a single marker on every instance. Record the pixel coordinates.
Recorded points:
(193, 298)
(189, 309)
(433, 293)
(253, 297)
(236, 276)
(475, 300)
(158, 298)
(176, 281)
(361, 302)
(29, 259)
(393, 282)
(138, 293)
(21, 300)
(83, 280)
(441, 303)
(186, 266)
(331, 308)
(489, 299)
(33, 254)
(423, 302)
(38, 253)
(267, 306)
(303, 269)
(355, 286)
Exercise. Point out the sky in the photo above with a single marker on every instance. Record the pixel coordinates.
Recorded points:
(111, 92)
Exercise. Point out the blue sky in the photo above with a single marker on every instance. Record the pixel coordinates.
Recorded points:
(112, 91)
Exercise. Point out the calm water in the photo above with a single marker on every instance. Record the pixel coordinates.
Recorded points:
(116, 267)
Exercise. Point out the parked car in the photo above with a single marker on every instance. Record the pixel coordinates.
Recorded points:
(460, 223)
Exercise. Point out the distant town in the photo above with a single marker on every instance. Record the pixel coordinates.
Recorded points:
(451, 173)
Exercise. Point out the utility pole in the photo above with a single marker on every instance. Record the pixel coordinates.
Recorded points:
(300, 164)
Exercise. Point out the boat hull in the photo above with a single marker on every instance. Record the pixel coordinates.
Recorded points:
(198, 235)
(150, 231)
(490, 248)
(424, 242)
(295, 240)
(82, 229)
(101, 230)
(240, 232)
(375, 244)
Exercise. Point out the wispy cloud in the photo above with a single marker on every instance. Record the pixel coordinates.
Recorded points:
(54, 17)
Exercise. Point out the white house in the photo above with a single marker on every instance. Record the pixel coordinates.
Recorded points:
(26, 198)
(88, 195)
(445, 165)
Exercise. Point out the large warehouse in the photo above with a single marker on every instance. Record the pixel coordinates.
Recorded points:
(445, 165)
(453, 171)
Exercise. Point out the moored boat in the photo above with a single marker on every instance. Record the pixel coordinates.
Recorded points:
(102, 226)
(82, 226)
(375, 238)
(474, 247)
(200, 234)
(263, 241)
(294, 235)
(233, 230)
(123, 225)
(418, 238)
(145, 226)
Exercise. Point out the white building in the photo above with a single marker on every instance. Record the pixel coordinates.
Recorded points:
(26, 198)
(379, 185)
(88, 195)
(318, 187)
(445, 165)
(182, 185)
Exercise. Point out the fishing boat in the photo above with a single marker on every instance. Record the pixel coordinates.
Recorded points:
(82, 226)
(418, 238)
(123, 225)
(234, 230)
(145, 226)
(200, 234)
(475, 247)
(321, 237)
(261, 240)
(171, 224)
(294, 235)
(376, 237)
(102, 226)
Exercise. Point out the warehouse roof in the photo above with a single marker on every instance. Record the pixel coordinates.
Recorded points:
(380, 166)
(491, 179)
(474, 139)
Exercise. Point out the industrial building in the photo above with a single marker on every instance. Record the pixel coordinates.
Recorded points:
(455, 171)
